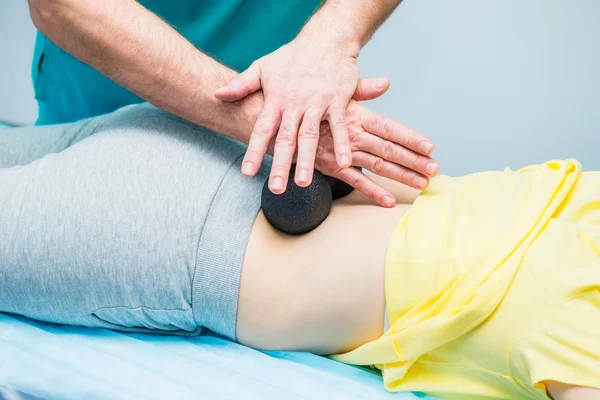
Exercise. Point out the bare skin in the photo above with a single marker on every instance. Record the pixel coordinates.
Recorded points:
(332, 301)
(344, 278)
(561, 391)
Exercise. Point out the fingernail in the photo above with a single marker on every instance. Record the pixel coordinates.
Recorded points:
(388, 201)
(344, 160)
(303, 175)
(277, 183)
(432, 168)
(426, 147)
(421, 182)
(380, 83)
(248, 168)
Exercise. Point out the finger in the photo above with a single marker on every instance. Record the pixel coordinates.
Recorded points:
(341, 143)
(242, 85)
(285, 147)
(400, 155)
(396, 132)
(261, 136)
(401, 174)
(371, 88)
(366, 186)
(308, 140)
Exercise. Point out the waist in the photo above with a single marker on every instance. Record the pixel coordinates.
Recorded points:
(320, 292)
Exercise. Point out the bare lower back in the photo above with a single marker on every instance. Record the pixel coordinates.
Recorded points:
(323, 291)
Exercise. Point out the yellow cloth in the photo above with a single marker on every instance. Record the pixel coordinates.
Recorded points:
(493, 286)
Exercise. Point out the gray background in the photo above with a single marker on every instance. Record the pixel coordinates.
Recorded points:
(494, 83)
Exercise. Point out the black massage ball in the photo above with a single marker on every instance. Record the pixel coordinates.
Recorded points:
(298, 210)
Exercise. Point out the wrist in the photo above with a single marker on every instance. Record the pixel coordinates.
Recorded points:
(241, 116)
(336, 34)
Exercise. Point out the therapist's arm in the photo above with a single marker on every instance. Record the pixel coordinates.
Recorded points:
(135, 48)
(352, 22)
(312, 79)
(138, 50)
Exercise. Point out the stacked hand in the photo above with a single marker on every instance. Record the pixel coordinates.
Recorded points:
(303, 88)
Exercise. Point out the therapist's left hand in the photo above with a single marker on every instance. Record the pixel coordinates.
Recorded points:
(380, 145)
(304, 82)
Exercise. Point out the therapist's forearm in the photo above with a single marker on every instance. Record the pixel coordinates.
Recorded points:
(350, 23)
(132, 46)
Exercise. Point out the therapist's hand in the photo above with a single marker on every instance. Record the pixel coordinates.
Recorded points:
(304, 82)
(380, 145)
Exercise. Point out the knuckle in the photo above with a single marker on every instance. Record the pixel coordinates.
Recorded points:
(262, 129)
(294, 96)
(378, 165)
(305, 162)
(358, 159)
(284, 141)
(338, 123)
(360, 89)
(355, 139)
(416, 180)
(293, 114)
(405, 176)
(329, 97)
(376, 193)
(279, 169)
(285, 137)
(373, 191)
(408, 138)
(418, 163)
(336, 109)
(271, 108)
(313, 113)
(309, 132)
(386, 129)
(389, 151)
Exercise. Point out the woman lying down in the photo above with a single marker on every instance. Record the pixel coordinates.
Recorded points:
(488, 286)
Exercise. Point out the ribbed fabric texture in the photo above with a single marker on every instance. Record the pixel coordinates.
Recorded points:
(221, 250)
(134, 221)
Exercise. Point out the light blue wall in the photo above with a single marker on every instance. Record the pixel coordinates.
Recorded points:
(495, 83)
(16, 46)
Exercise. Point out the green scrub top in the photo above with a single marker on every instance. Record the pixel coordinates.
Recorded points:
(235, 32)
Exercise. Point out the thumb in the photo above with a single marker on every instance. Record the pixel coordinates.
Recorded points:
(371, 88)
(242, 85)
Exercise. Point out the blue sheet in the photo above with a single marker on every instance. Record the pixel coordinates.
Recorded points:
(54, 361)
